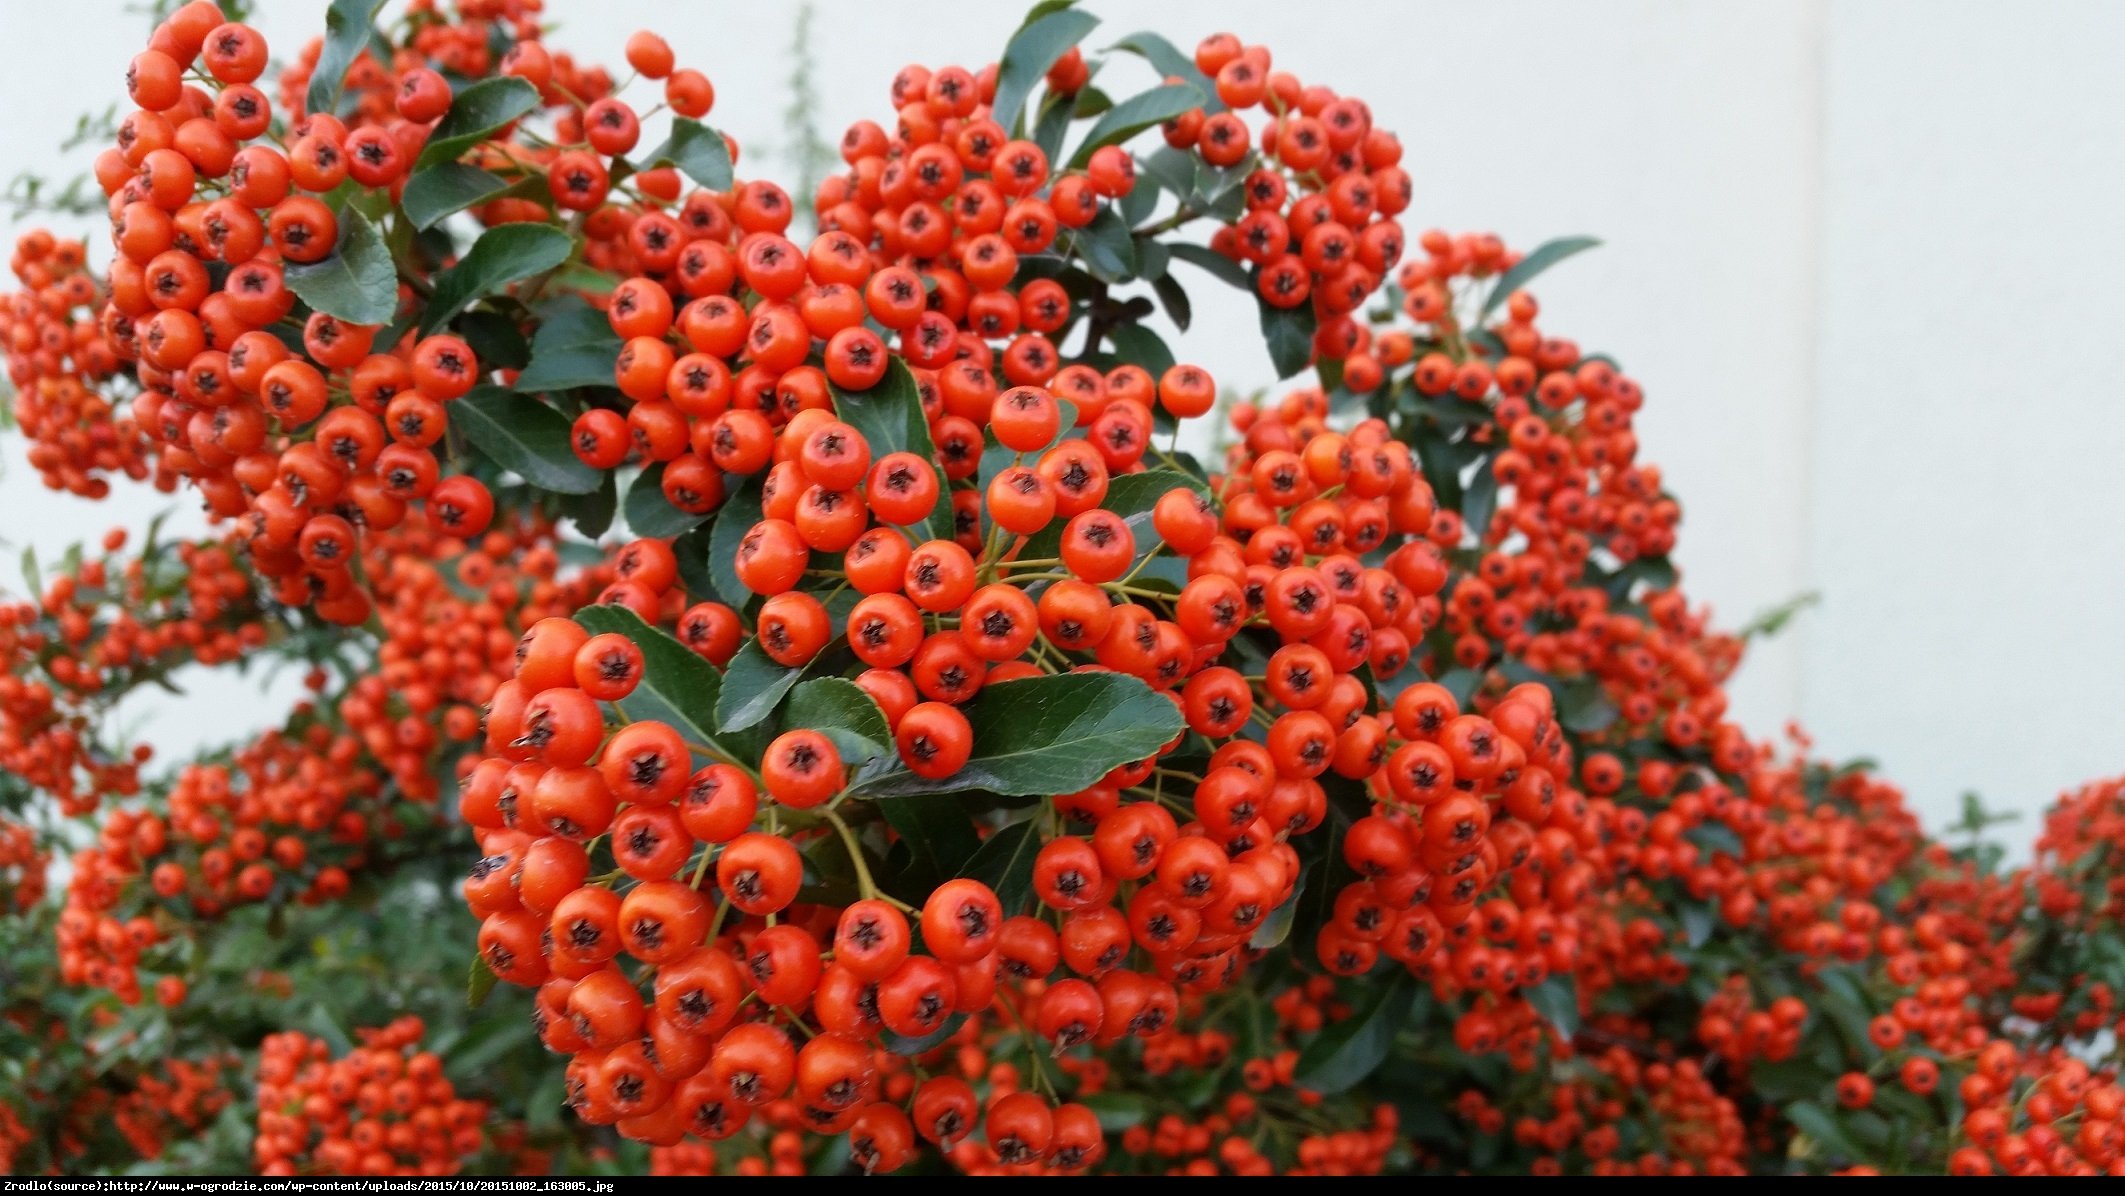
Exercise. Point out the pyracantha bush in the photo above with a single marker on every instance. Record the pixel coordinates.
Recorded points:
(945, 768)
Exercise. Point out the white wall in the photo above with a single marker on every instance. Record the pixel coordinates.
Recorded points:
(1848, 254)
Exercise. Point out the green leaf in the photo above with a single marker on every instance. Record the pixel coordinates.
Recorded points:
(574, 347)
(698, 151)
(891, 418)
(445, 189)
(1135, 114)
(1005, 864)
(1288, 331)
(525, 437)
(937, 837)
(592, 513)
(1435, 455)
(1479, 500)
(1039, 736)
(1548, 254)
(1174, 300)
(347, 31)
(1352, 1049)
(1217, 264)
(1170, 63)
(1824, 1128)
(1275, 927)
(692, 550)
(1713, 838)
(649, 513)
(1106, 246)
(475, 113)
(1557, 1000)
(357, 283)
(753, 687)
(900, 1044)
(1117, 1111)
(495, 338)
(1138, 345)
(479, 983)
(1056, 113)
(1699, 919)
(839, 709)
(678, 688)
(739, 512)
(1131, 496)
(1032, 50)
(503, 255)
(1584, 708)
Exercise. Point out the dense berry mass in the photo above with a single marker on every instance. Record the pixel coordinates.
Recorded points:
(944, 768)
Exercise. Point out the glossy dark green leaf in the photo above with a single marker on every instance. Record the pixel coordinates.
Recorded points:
(347, 30)
(1152, 257)
(1031, 51)
(1288, 331)
(475, 114)
(691, 551)
(1040, 736)
(357, 283)
(1698, 921)
(1349, 1050)
(438, 192)
(677, 687)
(839, 709)
(739, 512)
(698, 151)
(1005, 864)
(753, 685)
(891, 418)
(1109, 252)
(525, 437)
(592, 513)
(479, 983)
(1584, 708)
(503, 255)
(1541, 258)
(1435, 453)
(1056, 113)
(1135, 114)
(1171, 63)
(1716, 837)
(574, 347)
(1216, 264)
(1479, 499)
(900, 1044)
(1171, 169)
(1174, 299)
(495, 339)
(1826, 1131)
(1118, 1112)
(648, 512)
(1557, 1000)
(1089, 103)
(1461, 683)
(1138, 345)
(936, 837)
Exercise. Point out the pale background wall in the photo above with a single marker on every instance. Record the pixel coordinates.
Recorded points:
(1861, 253)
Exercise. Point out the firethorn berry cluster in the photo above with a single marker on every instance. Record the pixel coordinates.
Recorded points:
(378, 1110)
(22, 867)
(882, 741)
(108, 625)
(51, 1120)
